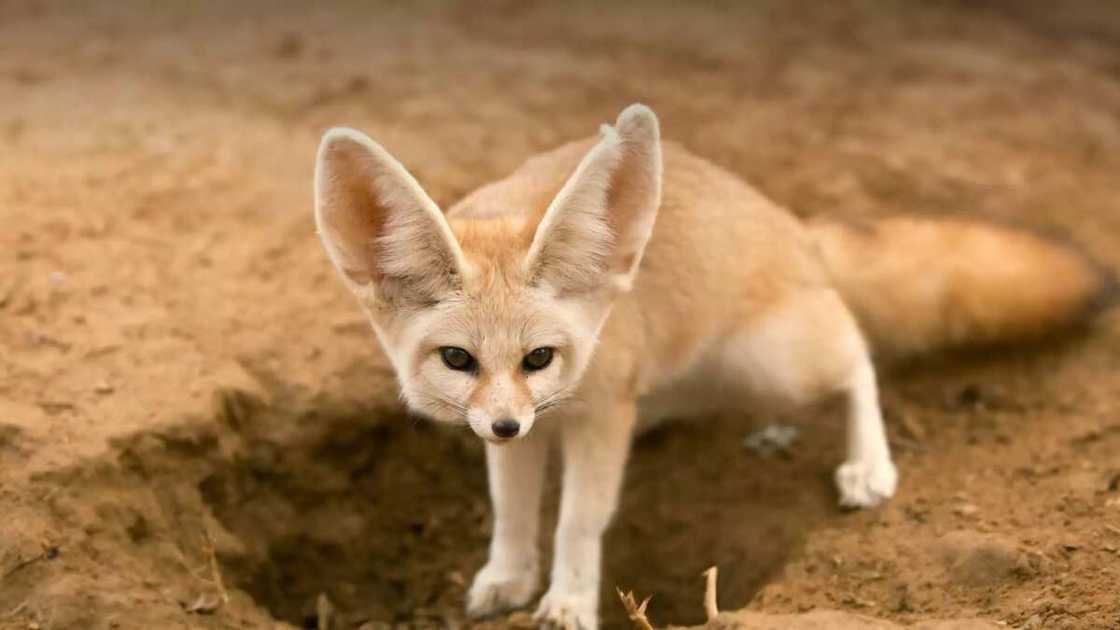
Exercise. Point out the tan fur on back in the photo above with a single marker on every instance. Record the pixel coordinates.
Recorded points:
(722, 255)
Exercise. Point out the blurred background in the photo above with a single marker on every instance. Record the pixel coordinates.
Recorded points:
(183, 380)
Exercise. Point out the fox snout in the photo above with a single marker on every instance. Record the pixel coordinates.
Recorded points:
(501, 408)
(500, 427)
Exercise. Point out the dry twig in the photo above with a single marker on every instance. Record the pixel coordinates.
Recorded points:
(215, 571)
(710, 607)
(11, 614)
(636, 611)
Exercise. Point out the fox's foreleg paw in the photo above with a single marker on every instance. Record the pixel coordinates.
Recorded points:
(499, 589)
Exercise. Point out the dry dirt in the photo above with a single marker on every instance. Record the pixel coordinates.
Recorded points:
(180, 371)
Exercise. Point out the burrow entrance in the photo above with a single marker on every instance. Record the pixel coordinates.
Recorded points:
(388, 516)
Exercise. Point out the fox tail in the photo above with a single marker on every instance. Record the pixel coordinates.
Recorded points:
(918, 285)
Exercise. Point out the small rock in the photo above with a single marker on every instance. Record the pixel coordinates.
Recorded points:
(977, 559)
(771, 439)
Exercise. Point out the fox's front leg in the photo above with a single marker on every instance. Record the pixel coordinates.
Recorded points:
(595, 452)
(511, 575)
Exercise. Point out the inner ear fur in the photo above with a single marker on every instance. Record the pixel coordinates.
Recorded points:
(383, 233)
(594, 232)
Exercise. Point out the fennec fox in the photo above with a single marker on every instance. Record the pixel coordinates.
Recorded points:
(547, 307)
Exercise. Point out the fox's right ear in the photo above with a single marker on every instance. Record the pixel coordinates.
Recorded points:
(383, 233)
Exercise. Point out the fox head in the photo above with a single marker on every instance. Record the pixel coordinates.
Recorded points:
(489, 321)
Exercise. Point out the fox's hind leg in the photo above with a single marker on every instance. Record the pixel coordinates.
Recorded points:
(806, 347)
(868, 476)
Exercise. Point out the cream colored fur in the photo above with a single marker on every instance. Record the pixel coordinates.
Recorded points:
(726, 294)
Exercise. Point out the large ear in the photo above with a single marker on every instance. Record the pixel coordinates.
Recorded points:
(595, 230)
(381, 230)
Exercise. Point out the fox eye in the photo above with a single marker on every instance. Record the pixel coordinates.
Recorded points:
(457, 359)
(538, 359)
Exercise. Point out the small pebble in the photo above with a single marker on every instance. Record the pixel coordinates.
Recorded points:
(772, 438)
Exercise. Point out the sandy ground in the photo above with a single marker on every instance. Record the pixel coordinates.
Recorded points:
(187, 393)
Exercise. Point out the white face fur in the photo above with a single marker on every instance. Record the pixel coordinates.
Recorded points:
(483, 358)
(495, 344)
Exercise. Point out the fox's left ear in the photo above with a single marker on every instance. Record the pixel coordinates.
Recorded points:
(383, 233)
(595, 230)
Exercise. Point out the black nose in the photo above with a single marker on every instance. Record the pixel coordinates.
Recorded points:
(506, 428)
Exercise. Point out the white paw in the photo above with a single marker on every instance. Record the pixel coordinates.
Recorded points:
(567, 611)
(866, 484)
(496, 590)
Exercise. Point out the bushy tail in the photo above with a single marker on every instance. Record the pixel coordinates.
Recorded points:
(924, 284)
